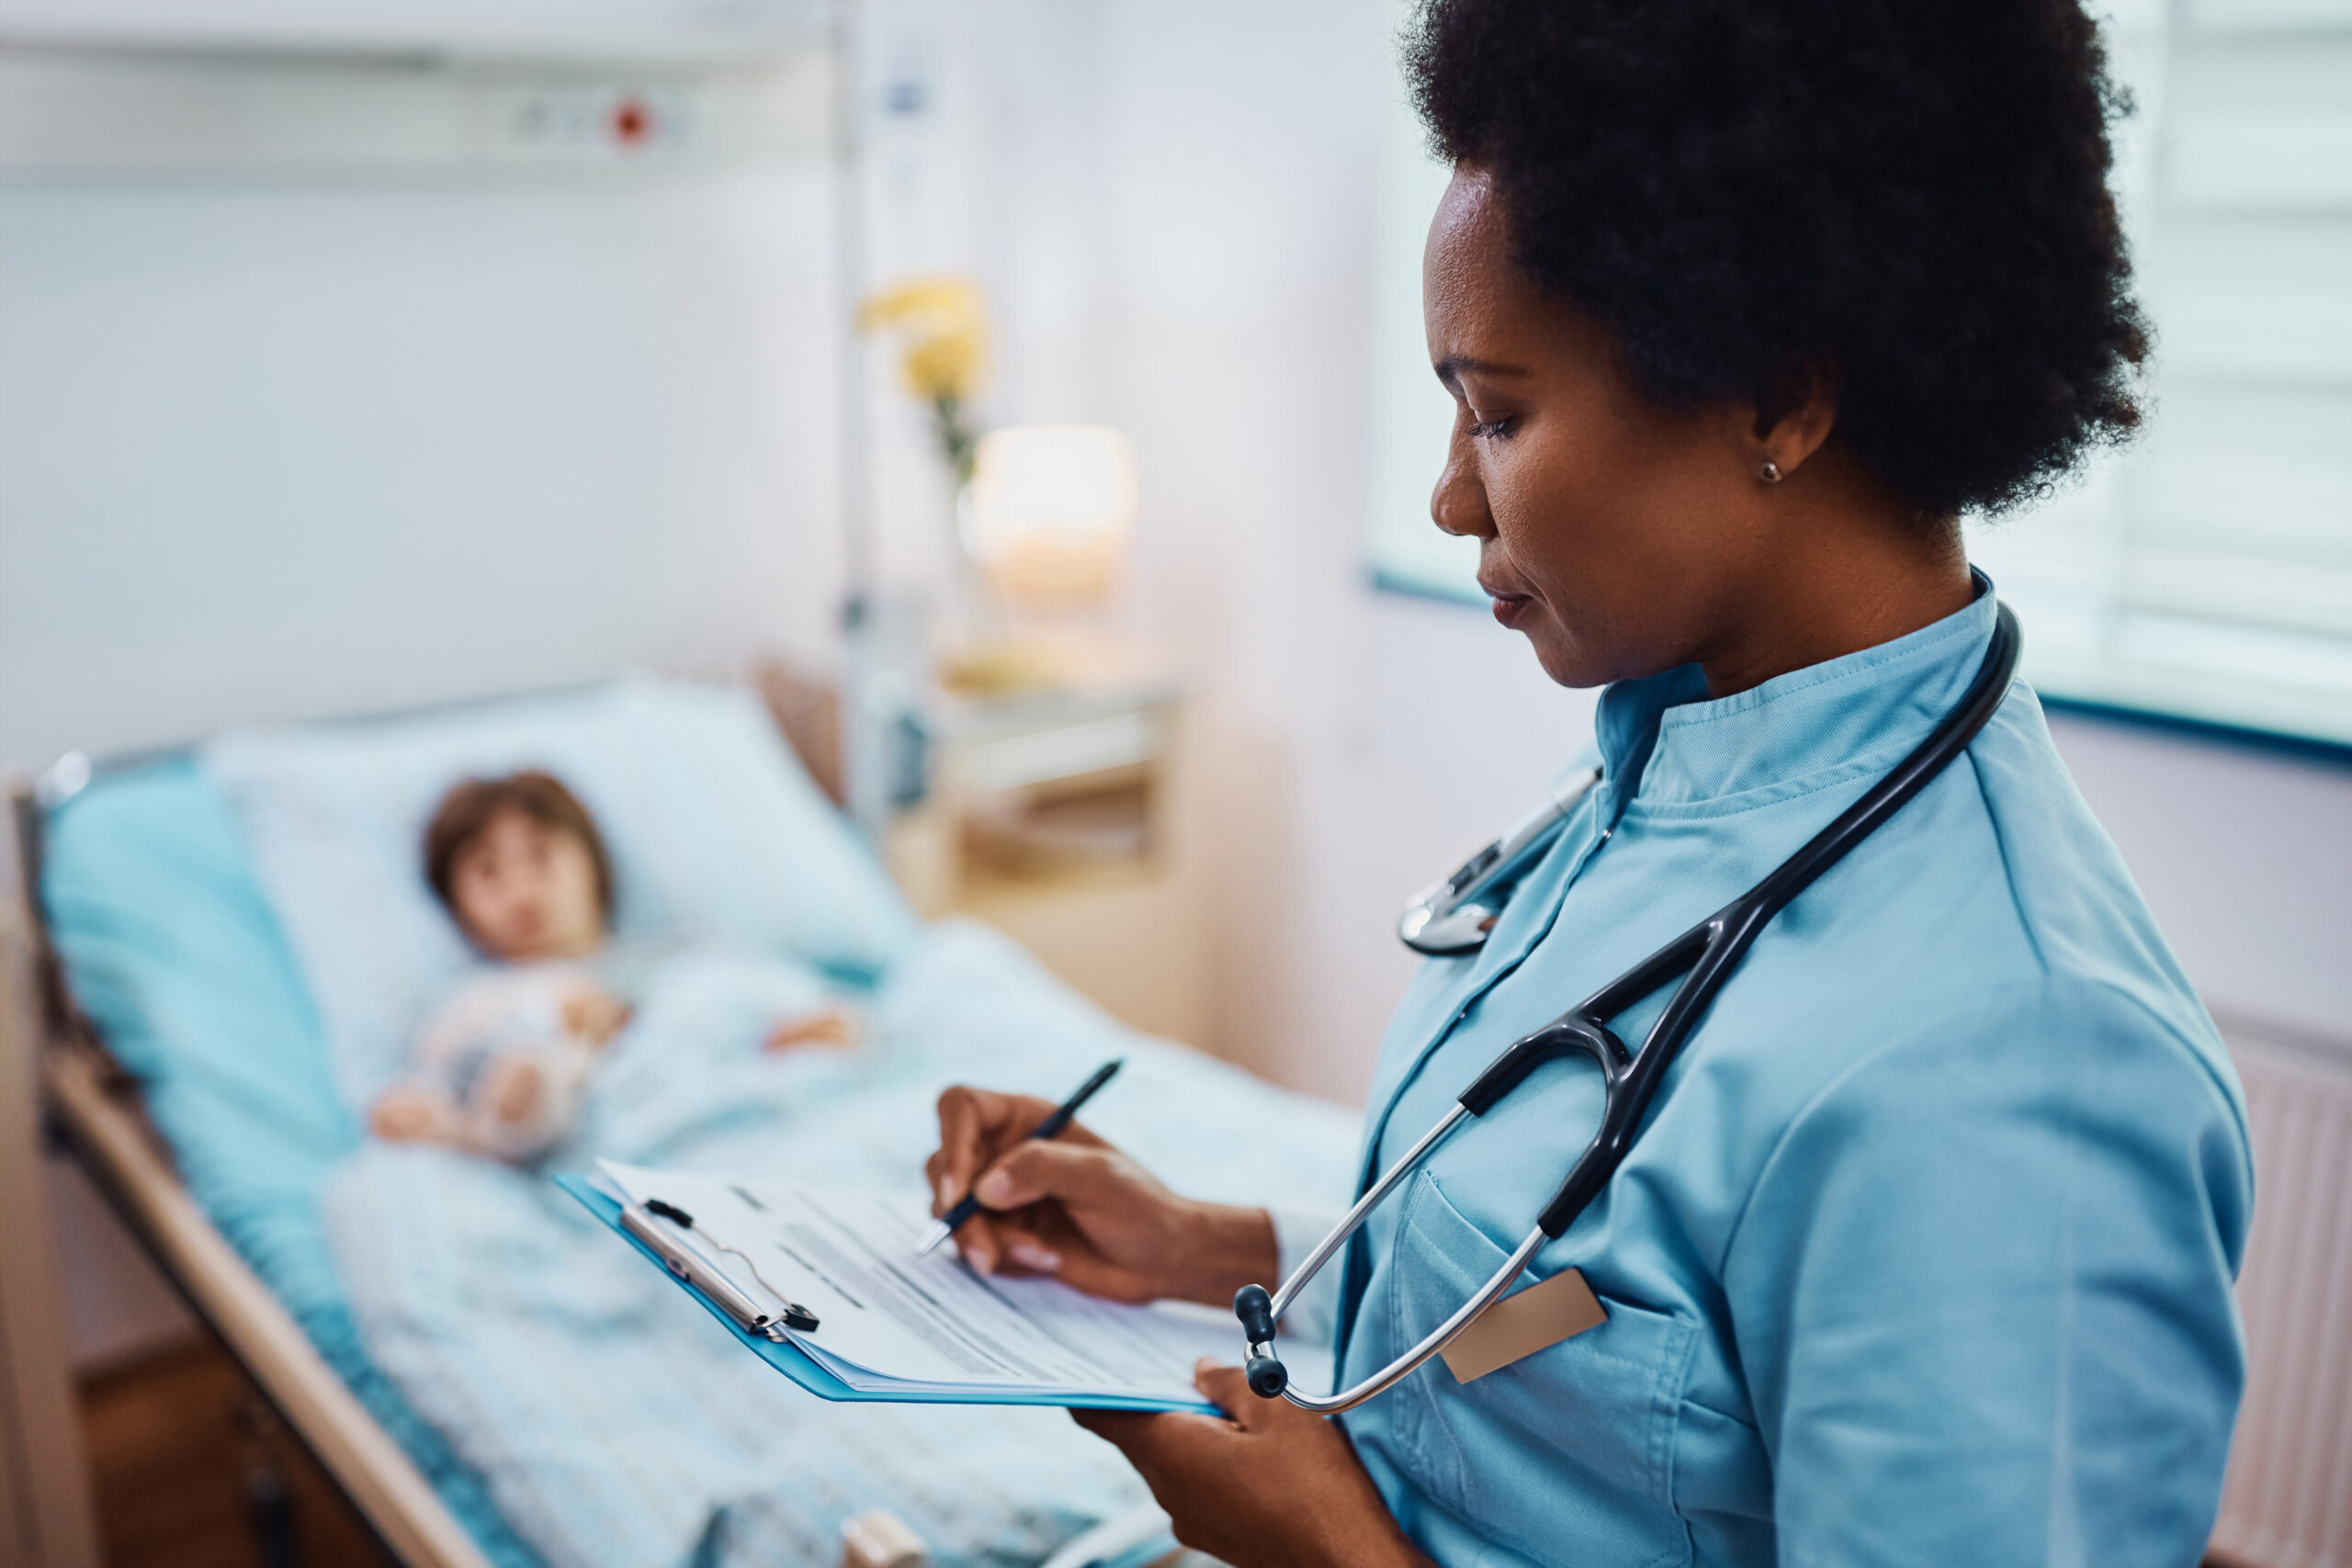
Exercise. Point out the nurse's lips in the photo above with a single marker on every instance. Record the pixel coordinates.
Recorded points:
(1509, 608)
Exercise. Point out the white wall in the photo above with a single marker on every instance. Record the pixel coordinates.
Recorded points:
(276, 445)
(2243, 851)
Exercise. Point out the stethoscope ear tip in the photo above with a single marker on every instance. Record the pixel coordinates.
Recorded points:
(1264, 1369)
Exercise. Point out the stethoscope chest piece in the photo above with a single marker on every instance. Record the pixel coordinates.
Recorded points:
(1449, 919)
(1460, 930)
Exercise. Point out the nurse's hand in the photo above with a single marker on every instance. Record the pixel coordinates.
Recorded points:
(1077, 1208)
(1271, 1484)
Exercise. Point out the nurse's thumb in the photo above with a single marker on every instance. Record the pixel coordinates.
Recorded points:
(1033, 1171)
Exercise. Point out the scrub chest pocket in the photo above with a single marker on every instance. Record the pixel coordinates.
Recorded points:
(1593, 1415)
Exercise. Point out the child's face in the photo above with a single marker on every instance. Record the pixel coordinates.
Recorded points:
(526, 891)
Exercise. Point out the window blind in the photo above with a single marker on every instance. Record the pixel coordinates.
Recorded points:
(1411, 415)
(2205, 570)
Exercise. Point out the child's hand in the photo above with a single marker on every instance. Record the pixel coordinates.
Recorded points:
(512, 1089)
(594, 1016)
(839, 1027)
(413, 1116)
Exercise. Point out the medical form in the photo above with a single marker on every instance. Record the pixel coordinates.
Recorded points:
(890, 1323)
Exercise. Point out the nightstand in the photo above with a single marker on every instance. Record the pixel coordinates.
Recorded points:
(1054, 815)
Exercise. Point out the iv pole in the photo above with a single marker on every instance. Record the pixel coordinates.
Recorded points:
(864, 785)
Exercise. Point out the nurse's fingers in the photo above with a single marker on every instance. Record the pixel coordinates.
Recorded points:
(978, 1128)
(1056, 1250)
(1151, 1438)
(975, 1126)
(999, 1244)
(1228, 1388)
(1033, 1171)
(1288, 1490)
(1138, 1435)
(976, 1240)
(1115, 1427)
(992, 1244)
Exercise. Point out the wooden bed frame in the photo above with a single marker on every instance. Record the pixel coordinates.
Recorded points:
(94, 1108)
(45, 1517)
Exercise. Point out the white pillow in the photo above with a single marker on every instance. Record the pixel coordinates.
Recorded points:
(714, 830)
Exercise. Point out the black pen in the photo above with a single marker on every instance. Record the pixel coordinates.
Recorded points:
(1051, 1127)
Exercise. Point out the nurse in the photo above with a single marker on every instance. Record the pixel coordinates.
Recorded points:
(1924, 1254)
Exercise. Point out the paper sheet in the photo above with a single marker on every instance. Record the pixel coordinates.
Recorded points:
(888, 1319)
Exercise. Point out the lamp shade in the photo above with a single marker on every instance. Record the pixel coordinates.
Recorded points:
(1048, 511)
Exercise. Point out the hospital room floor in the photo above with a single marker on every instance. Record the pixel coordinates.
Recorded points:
(177, 1441)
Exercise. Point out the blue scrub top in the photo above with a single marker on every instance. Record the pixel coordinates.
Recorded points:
(1925, 1253)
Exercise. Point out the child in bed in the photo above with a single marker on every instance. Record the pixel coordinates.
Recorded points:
(503, 1064)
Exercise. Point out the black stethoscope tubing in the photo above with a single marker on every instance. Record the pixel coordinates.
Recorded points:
(1706, 955)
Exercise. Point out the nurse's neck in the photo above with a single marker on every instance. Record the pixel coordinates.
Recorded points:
(1846, 568)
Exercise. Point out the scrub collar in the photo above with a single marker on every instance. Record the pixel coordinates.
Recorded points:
(1665, 744)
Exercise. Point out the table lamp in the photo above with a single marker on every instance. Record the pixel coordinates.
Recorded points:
(1047, 515)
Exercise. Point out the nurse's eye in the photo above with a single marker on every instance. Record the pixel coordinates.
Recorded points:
(1493, 429)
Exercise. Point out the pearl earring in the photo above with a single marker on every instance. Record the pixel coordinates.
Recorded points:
(1771, 472)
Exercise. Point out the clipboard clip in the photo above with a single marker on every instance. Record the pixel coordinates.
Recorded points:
(638, 1220)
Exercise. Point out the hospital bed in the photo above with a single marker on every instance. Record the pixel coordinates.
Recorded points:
(189, 1006)
(96, 1108)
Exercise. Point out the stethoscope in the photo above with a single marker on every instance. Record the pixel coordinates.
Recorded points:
(1455, 916)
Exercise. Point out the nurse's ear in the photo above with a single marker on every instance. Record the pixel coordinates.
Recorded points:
(1794, 415)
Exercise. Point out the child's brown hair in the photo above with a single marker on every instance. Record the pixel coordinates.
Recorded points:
(473, 804)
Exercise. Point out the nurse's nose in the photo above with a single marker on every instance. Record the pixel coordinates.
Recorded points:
(1458, 506)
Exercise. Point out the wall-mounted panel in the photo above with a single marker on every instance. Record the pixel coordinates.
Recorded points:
(637, 30)
(68, 113)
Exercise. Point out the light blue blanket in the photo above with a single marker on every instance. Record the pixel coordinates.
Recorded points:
(611, 1420)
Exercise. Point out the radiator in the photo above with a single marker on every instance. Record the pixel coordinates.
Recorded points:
(2287, 1501)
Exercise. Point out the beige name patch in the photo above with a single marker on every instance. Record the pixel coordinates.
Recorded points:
(1523, 1322)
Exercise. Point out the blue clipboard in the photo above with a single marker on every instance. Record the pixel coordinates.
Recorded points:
(795, 1363)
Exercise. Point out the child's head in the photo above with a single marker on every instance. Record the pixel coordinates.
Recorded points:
(521, 867)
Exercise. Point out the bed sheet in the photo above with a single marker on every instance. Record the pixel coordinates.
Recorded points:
(522, 1329)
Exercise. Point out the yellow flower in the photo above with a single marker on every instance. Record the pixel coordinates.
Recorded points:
(943, 322)
(947, 365)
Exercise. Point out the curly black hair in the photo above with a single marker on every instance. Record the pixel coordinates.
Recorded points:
(1908, 196)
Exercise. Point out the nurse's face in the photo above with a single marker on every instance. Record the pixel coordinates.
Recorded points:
(1619, 536)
